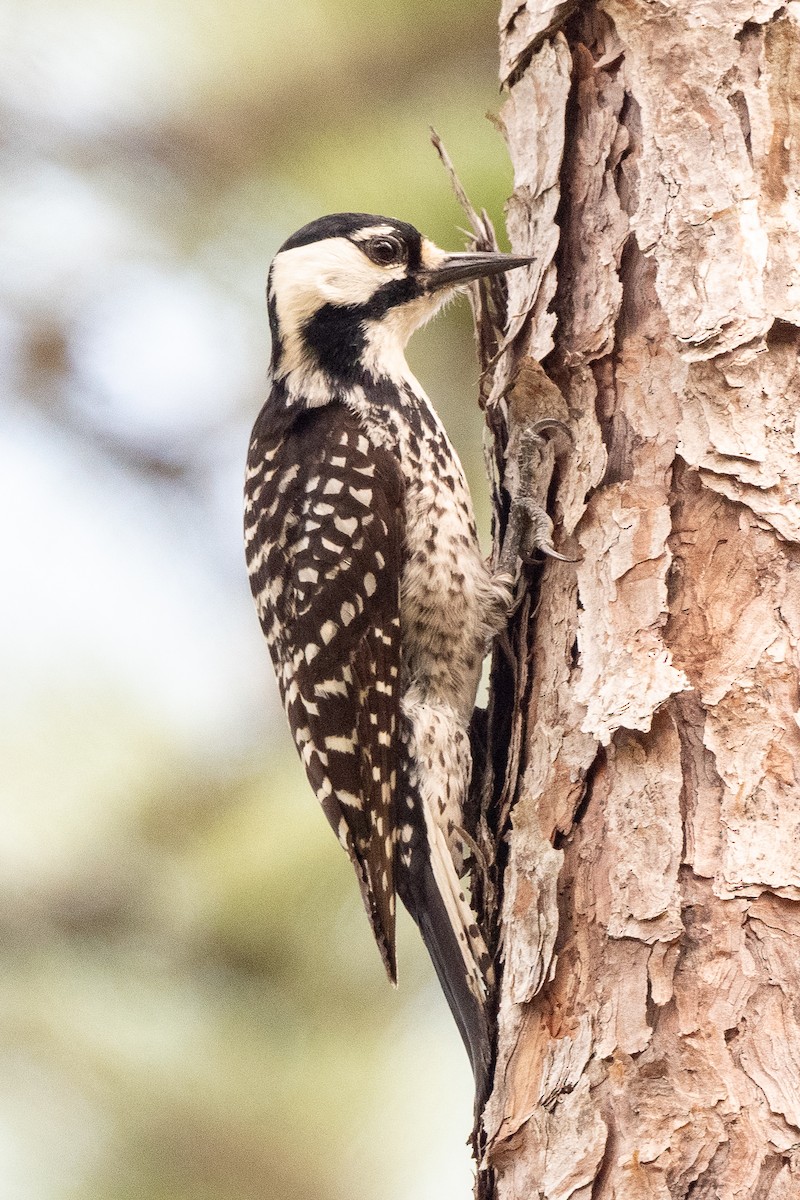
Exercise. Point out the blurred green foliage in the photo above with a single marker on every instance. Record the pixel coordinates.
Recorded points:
(191, 1004)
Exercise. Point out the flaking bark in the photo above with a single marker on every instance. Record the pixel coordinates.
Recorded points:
(641, 806)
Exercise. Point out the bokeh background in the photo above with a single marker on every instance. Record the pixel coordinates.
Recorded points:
(190, 1001)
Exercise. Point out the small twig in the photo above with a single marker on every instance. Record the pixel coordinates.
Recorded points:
(488, 297)
(478, 229)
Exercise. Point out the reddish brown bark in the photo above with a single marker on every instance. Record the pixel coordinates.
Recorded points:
(648, 1032)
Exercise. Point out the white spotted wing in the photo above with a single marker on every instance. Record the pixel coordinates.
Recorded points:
(324, 528)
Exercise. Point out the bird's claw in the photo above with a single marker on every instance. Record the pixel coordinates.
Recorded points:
(529, 532)
(552, 425)
(529, 529)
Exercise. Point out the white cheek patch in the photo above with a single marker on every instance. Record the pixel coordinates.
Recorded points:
(335, 271)
(303, 280)
(332, 271)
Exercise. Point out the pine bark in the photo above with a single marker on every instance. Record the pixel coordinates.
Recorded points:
(642, 802)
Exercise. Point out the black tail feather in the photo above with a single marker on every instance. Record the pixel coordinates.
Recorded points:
(421, 896)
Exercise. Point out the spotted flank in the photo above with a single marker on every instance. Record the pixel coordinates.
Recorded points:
(325, 579)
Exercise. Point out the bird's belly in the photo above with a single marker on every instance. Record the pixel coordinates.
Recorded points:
(444, 589)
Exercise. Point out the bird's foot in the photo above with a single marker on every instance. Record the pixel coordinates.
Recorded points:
(529, 529)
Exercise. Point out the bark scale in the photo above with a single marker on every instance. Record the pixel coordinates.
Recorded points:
(646, 819)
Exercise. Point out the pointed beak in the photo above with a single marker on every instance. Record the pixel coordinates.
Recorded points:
(464, 268)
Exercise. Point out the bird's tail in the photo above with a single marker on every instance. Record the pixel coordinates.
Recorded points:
(433, 894)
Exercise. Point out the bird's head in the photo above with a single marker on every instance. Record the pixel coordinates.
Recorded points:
(346, 292)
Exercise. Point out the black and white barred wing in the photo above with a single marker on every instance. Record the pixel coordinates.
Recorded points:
(324, 529)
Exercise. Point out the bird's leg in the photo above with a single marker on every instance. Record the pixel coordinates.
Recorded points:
(529, 528)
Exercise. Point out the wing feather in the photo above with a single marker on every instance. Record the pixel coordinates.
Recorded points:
(325, 535)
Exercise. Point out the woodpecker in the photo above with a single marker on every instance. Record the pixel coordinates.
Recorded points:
(370, 586)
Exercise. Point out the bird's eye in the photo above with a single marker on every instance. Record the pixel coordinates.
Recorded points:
(386, 251)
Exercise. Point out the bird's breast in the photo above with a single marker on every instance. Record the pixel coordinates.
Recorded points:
(445, 582)
(449, 603)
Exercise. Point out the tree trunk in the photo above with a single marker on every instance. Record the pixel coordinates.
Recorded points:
(642, 801)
